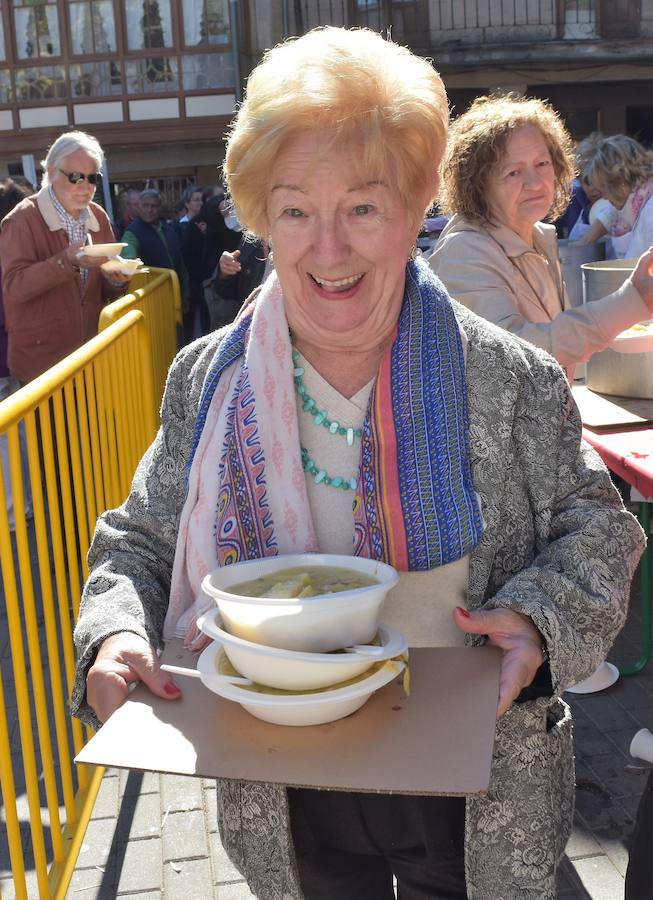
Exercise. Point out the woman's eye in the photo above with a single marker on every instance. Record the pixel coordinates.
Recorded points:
(363, 209)
(293, 212)
(545, 162)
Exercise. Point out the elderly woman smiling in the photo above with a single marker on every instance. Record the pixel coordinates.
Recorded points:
(353, 407)
(508, 166)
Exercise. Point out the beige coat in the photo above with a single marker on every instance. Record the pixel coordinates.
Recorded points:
(493, 272)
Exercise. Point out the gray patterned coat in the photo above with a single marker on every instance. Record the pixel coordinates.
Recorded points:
(558, 546)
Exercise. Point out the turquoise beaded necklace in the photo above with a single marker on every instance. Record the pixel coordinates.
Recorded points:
(321, 417)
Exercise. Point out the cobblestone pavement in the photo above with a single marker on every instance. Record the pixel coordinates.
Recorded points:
(155, 836)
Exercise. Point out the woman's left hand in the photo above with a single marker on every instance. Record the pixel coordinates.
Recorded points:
(519, 640)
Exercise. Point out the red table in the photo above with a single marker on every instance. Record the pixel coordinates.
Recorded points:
(629, 453)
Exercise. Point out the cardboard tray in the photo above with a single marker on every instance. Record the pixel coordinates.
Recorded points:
(437, 741)
(600, 411)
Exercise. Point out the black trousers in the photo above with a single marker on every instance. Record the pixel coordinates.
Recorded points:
(349, 846)
(639, 876)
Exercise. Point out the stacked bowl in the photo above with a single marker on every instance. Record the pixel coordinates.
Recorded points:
(311, 650)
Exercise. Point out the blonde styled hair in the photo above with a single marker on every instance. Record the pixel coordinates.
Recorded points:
(477, 143)
(340, 84)
(619, 161)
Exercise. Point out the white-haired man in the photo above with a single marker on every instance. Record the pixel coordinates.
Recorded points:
(52, 292)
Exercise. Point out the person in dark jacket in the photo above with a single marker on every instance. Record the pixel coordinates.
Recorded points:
(191, 236)
(217, 237)
(239, 273)
(128, 205)
(153, 240)
(204, 241)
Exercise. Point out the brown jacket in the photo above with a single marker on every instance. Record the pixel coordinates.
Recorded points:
(47, 315)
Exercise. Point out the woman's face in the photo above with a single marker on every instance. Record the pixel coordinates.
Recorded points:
(194, 204)
(521, 186)
(617, 194)
(340, 242)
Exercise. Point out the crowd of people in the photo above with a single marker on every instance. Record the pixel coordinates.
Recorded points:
(217, 267)
(467, 470)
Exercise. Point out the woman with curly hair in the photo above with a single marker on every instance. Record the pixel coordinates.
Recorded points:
(509, 165)
(622, 170)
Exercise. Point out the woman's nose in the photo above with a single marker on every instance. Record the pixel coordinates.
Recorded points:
(330, 241)
(533, 178)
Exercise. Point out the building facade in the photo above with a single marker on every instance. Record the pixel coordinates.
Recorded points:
(593, 59)
(156, 81)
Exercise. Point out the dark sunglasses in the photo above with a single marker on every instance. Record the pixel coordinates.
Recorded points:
(76, 177)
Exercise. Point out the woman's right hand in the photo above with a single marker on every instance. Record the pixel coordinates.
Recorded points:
(642, 278)
(79, 259)
(229, 264)
(123, 660)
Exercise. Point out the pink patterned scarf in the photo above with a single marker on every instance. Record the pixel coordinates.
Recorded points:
(415, 506)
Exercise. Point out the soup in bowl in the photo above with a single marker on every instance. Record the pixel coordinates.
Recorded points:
(315, 602)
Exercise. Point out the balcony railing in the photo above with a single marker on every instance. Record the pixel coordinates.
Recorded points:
(425, 24)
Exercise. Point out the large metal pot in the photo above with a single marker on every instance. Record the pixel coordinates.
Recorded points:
(609, 372)
(572, 257)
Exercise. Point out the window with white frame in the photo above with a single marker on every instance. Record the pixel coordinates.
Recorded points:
(37, 28)
(151, 76)
(149, 24)
(6, 95)
(95, 79)
(206, 22)
(92, 26)
(41, 83)
(204, 71)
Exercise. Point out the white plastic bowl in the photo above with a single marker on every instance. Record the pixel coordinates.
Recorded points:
(634, 341)
(304, 709)
(604, 676)
(102, 249)
(315, 624)
(119, 264)
(292, 670)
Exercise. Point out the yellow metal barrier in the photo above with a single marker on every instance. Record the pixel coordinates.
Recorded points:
(75, 436)
(157, 295)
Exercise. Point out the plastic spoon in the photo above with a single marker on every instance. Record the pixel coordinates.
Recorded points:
(366, 650)
(193, 673)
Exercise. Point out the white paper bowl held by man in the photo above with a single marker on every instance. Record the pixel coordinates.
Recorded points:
(110, 250)
(293, 670)
(121, 265)
(317, 624)
(327, 705)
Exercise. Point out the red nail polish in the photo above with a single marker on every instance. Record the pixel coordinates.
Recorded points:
(463, 612)
(170, 688)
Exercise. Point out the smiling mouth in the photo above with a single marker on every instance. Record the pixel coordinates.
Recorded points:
(337, 285)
